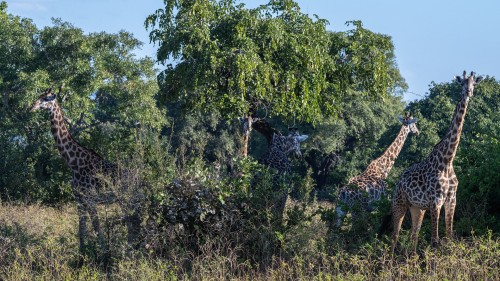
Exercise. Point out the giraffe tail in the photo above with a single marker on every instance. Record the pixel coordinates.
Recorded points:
(386, 225)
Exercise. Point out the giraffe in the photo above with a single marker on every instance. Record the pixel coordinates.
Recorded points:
(432, 183)
(87, 167)
(281, 148)
(370, 186)
(277, 156)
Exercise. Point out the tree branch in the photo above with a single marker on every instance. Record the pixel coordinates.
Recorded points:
(265, 129)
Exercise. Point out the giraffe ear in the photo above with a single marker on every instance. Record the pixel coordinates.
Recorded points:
(458, 79)
(302, 138)
(400, 118)
(414, 120)
(479, 79)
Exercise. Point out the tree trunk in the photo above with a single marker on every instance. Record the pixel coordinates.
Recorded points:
(247, 128)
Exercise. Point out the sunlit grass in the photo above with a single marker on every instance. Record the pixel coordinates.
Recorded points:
(40, 243)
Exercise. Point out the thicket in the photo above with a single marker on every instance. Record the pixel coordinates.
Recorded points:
(208, 210)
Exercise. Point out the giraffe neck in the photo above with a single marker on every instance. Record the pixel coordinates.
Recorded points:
(380, 167)
(277, 157)
(446, 149)
(63, 138)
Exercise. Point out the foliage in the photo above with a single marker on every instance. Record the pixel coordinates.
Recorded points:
(233, 60)
(189, 210)
(207, 136)
(106, 95)
(204, 204)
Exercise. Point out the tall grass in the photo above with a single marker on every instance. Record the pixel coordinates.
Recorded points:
(40, 243)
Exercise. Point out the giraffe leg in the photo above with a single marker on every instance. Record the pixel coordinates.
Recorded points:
(435, 225)
(282, 204)
(95, 222)
(82, 224)
(449, 210)
(398, 214)
(417, 215)
(449, 204)
(399, 206)
(82, 215)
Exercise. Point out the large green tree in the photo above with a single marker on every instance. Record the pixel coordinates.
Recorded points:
(223, 57)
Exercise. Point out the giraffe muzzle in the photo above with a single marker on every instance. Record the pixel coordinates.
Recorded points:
(35, 107)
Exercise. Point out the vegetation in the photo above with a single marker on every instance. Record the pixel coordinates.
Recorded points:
(237, 62)
(47, 248)
(207, 210)
(107, 94)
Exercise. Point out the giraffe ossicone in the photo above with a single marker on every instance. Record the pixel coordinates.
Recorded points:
(432, 183)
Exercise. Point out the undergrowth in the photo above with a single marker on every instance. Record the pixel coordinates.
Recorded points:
(40, 243)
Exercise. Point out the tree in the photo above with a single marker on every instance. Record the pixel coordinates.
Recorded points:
(107, 94)
(16, 36)
(222, 57)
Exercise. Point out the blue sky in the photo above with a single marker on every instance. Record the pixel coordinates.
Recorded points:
(434, 39)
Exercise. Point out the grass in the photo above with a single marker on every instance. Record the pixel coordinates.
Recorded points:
(40, 243)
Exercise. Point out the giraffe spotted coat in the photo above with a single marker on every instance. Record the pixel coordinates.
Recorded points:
(89, 171)
(277, 157)
(432, 183)
(370, 186)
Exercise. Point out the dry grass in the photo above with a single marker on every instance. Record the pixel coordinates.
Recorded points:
(40, 243)
(40, 221)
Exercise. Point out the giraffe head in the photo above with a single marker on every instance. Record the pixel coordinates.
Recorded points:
(46, 101)
(293, 144)
(410, 122)
(290, 144)
(468, 83)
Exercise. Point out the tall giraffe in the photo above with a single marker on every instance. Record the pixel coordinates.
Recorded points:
(87, 166)
(432, 183)
(370, 186)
